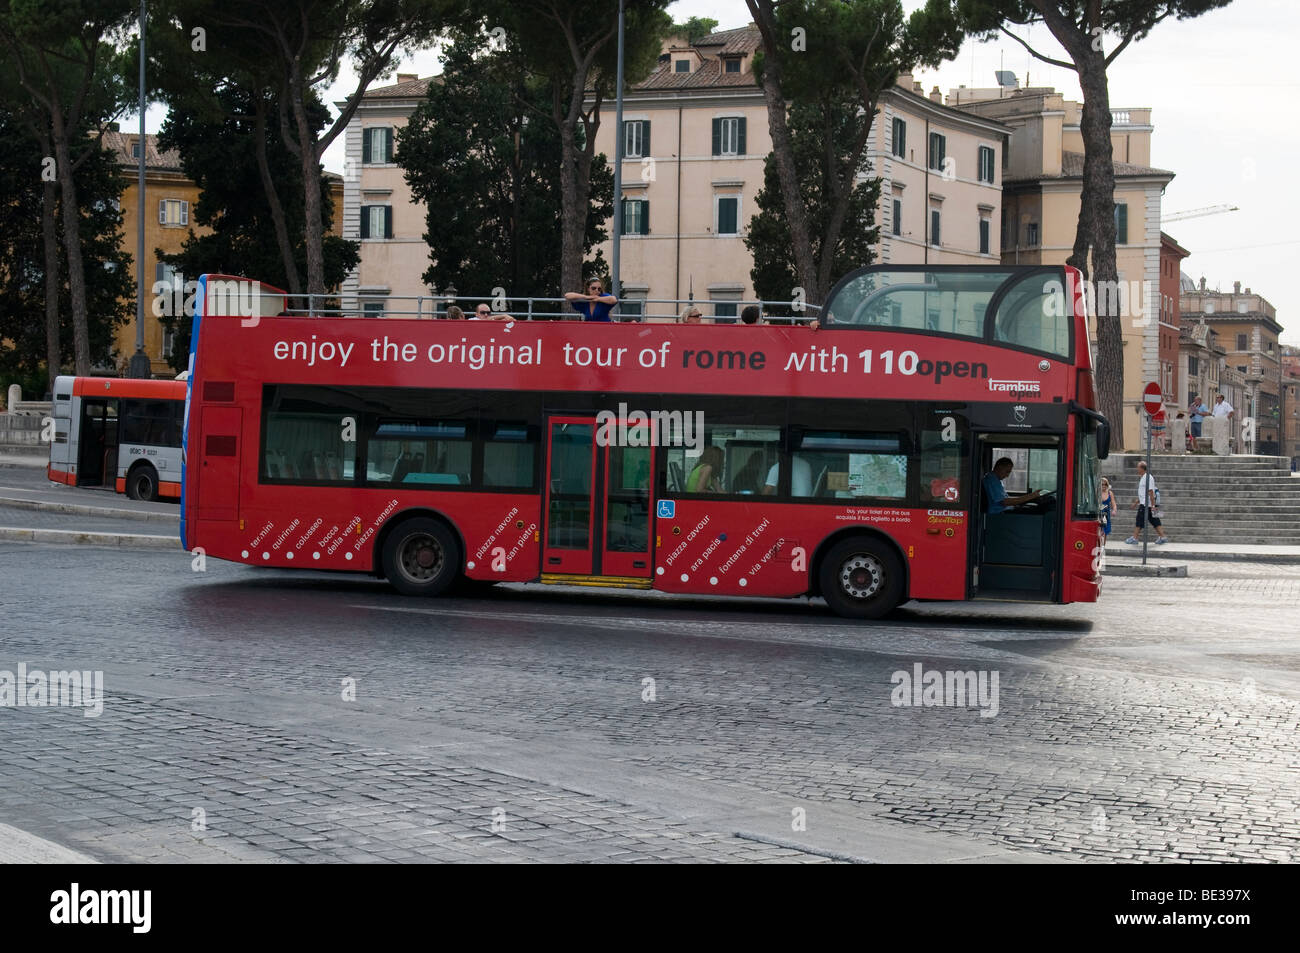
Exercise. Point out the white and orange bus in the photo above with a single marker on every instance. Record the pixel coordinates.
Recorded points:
(119, 433)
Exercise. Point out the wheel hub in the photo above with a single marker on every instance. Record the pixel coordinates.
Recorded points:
(861, 576)
(422, 558)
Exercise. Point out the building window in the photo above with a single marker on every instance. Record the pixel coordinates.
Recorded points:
(898, 217)
(732, 65)
(682, 66)
(376, 145)
(1241, 368)
(636, 217)
(986, 164)
(729, 136)
(984, 236)
(135, 149)
(1031, 234)
(372, 309)
(632, 309)
(173, 212)
(376, 221)
(938, 147)
(1242, 343)
(726, 214)
(1193, 366)
(934, 226)
(636, 138)
(724, 311)
(900, 138)
(1121, 223)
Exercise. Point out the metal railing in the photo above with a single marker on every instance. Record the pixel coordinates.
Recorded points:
(435, 307)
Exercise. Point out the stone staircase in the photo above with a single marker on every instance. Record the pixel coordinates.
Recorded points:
(1250, 500)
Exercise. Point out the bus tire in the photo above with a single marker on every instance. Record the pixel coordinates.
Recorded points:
(421, 557)
(862, 578)
(142, 483)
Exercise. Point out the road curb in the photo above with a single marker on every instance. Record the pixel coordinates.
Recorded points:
(80, 509)
(1175, 572)
(18, 534)
(1292, 558)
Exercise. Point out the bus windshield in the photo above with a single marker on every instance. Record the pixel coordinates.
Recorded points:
(1029, 309)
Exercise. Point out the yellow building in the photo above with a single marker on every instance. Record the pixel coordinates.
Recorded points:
(169, 207)
(169, 203)
(1042, 182)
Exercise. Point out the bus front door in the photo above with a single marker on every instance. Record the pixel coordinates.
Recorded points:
(1018, 552)
(97, 447)
(597, 507)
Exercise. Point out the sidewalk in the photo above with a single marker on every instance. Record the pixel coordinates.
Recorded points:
(1220, 551)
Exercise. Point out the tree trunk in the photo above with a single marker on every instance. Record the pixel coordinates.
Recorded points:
(783, 154)
(309, 157)
(1096, 230)
(72, 246)
(573, 216)
(50, 239)
(273, 201)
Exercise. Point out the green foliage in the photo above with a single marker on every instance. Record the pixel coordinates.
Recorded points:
(1118, 18)
(812, 126)
(218, 153)
(109, 285)
(696, 28)
(486, 167)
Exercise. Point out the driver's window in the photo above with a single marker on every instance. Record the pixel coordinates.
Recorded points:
(1034, 467)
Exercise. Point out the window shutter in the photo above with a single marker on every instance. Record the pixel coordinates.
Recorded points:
(717, 137)
(740, 136)
(984, 236)
(388, 221)
(645, 217)
(185, 213)
(365, 147)
(162, 211)
(898, 217)
(365, 221)
(158, 272)
(1121, 223)
(645, 137)
(388, 144)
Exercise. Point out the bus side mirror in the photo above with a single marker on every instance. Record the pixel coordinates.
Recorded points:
(1103, 439)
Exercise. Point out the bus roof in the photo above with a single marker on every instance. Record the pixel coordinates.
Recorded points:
(124, 387)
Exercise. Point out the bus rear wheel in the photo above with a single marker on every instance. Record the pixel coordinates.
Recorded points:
(421, 557)
(142, 484)
(862, 578)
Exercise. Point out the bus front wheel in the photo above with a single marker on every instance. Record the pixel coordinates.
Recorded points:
(421, 557)
(862, 578)
(142, 484)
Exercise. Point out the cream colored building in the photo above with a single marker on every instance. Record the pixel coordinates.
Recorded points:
(378, 209)
(695, 141)
(1042, 183)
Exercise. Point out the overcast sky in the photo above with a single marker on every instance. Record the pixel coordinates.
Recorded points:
(1223, 90)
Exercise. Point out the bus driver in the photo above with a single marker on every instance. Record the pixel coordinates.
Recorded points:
(996, 494)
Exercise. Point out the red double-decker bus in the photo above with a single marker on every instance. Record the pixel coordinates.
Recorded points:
(850, 461)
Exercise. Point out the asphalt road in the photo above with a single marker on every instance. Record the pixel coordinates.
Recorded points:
(255, 714)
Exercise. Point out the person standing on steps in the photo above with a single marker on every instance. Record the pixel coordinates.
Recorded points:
(1147, 510)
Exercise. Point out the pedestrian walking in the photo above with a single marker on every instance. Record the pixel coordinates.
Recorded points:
(1148, 508)
(1107, 507)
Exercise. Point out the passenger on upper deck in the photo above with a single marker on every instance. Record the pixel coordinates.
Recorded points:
(595, 305)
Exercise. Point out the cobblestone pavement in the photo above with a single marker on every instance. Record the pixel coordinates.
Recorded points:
(1158, 724)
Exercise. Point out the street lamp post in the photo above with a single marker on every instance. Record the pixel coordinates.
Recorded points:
(615, 284)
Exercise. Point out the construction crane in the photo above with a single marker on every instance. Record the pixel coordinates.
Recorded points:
(1198, 212)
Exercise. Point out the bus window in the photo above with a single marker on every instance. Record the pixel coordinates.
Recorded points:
(149, 422)
(509, 455)
(420, 452)
(305, 440)
(1034, 467)
(845, 465)
(950, 303)
(1027, 316)
(748, 455)
(943, 460)
(1087, 472)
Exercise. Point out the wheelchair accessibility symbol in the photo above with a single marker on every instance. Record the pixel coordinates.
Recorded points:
(667, 508)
